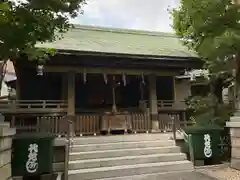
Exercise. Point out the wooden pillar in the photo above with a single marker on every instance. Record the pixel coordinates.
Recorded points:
(71, 93)
(174, 89)
(153, 105)
(64, 86)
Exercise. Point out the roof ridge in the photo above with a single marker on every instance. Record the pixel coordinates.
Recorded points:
(124, 31)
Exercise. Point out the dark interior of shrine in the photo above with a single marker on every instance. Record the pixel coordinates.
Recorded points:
(95, 91)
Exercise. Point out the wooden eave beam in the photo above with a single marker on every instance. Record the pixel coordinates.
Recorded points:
(120, 62)
(130, 56)
(64, 69)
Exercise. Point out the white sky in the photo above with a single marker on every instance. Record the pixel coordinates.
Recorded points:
(132, 14)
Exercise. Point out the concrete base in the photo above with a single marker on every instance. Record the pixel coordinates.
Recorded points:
(156, 131)
(234, 126)
(5, 172)
(5, 157)
(235, 163)
(5, 143)
(199, 162)
(5, 150)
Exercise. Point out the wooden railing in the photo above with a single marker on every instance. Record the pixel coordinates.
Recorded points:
(165, 122)
(48, 124)
(57, 125)
(91, 124)
(141, 122)
(87, 124)
(169, 104)
(172, 122)
(30, 106)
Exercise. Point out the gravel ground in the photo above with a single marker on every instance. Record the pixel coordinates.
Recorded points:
(221, 173)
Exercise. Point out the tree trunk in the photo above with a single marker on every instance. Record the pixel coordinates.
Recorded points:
(237, 92)
(237, 84)
(218, 89)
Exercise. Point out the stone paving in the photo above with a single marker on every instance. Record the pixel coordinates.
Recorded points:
(193, 175)
(187, 176)
(222, 172)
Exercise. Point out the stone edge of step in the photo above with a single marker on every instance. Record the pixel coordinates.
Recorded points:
(127, 157)
(117, 150)
(141, 176)
(122, 138)
(125, 142)
(101, 169)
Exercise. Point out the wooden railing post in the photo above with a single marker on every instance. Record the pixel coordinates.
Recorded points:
(184, 118)
(44, 104)
(68, 145)
(67, 150)
(173, 126)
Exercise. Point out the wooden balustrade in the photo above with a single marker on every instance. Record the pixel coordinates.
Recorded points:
(169, 104)
(57, 125)
(89, 124)
(141, 122)
(58, 106)
(46, 124)
(32, 106)
(24, 126)
(165, 121)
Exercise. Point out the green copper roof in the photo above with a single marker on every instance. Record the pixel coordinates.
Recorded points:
(121, 41)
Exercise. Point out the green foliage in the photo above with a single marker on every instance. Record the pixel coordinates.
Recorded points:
(199, 104)
(27, 22)
(212, 29)
(207, 110)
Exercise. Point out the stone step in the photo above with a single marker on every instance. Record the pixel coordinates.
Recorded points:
(5, 172)
(121, 138)
(126, 160)
(174, 175)
(5, 143)
(5, 157)
(121, 145)
(122, 152)
(129, 170)
(4, 124)
(6, 131)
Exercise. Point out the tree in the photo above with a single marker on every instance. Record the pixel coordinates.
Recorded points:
(24, 23)
(212, 29)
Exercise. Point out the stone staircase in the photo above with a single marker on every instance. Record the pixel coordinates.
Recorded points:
(138, 156)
